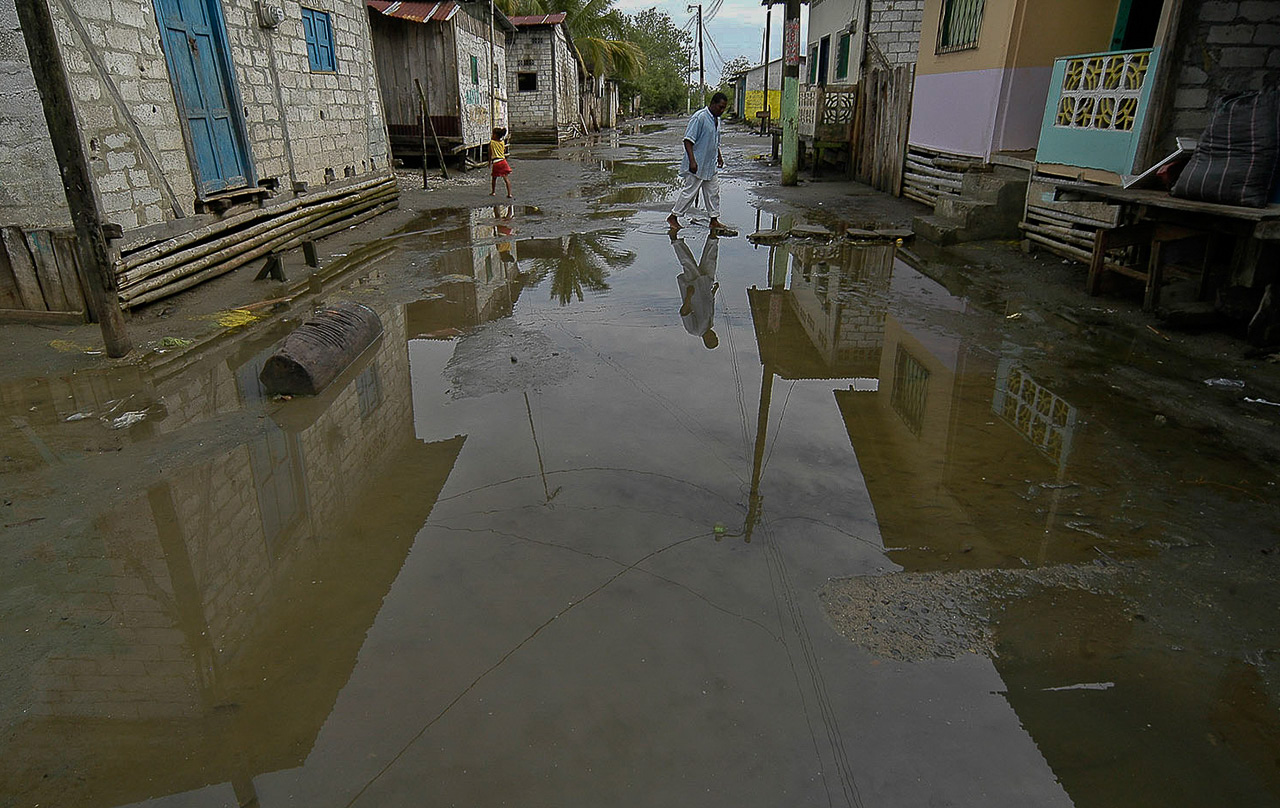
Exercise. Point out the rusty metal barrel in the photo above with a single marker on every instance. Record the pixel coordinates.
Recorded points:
(320, 349)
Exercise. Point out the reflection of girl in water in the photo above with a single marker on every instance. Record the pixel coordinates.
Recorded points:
(503, 214)
(697, 280)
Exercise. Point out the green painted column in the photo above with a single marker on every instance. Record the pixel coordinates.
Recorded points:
(791, 93)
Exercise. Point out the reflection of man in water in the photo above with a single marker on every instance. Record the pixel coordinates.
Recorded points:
(698, 286)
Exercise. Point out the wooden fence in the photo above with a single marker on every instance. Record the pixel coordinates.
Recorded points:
(870, 119)
(879, 143)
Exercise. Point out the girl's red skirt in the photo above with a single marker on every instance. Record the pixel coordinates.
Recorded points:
(500, 168)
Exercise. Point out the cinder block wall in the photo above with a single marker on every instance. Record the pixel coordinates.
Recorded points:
(895, 27)
(30, 188)
(567, 81)
(131, 120)
(531, 53)
(1223, 47)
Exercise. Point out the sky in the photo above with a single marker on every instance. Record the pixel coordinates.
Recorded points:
(736, 28)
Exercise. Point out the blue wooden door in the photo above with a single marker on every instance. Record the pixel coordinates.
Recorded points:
(195, 48)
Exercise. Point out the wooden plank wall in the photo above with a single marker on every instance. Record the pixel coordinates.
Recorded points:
(882, 121)
(39, 272)
(404, 51)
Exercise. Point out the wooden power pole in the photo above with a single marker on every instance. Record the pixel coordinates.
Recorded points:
(77, 179)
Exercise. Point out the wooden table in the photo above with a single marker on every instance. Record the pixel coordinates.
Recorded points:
(1158, 219)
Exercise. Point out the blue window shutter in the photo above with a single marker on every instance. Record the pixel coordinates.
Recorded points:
(318, 31)
(324, 40)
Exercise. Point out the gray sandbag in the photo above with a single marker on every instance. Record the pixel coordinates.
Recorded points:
(319, 349)
(1236, 160)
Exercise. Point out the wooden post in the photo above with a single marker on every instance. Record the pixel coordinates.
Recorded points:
(64, 130)
(426, 117)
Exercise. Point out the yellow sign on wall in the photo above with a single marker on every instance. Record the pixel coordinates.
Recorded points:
(755, 102)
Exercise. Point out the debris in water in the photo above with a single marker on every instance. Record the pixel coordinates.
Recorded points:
(127, 420)
(1085, 528)
(1261, 401)
(1227, 384)
(234, 318)
(1083, 686)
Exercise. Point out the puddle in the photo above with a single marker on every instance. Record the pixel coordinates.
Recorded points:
(564, 530)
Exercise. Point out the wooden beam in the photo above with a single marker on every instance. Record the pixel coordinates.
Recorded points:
(25, 317)
(77, 179)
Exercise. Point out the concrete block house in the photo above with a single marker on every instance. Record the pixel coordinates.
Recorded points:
(216, 132)
(544, 73)
(445, 47)
(847, 35)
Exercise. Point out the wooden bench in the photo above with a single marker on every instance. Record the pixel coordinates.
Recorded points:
(1156, 220)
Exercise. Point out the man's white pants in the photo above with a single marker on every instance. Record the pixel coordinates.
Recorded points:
(689, 193)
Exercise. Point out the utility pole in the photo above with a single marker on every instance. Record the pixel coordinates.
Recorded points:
(77, 179)
(702, 78)
(768, 106)
(791, 93)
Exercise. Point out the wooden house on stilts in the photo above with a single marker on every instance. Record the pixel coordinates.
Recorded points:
(457, 53)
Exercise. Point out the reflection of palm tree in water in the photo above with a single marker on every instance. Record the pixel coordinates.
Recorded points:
(585, 263)
(698, 287)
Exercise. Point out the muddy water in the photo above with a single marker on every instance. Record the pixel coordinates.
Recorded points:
(610, 518)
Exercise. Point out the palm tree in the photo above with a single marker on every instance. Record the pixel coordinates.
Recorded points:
(598, 31)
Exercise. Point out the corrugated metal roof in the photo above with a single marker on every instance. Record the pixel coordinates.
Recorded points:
(417, 12)
(539, 19)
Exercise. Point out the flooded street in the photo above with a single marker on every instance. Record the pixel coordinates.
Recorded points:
(611, 517)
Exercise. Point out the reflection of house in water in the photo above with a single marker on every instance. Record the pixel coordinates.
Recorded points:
(205, 632)
(839, 292)
(950, 482)
(828, 324)
(477, 283)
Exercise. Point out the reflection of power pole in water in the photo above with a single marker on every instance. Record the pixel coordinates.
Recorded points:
(779, 257)
(550, 495)
(754, 500)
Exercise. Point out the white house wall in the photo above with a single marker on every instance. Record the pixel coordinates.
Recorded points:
(475, 96)
(831, 18)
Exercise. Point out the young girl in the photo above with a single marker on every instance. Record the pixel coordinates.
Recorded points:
(498, 159)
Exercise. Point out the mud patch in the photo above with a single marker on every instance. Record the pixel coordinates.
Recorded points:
(913, 616)
(503, 357)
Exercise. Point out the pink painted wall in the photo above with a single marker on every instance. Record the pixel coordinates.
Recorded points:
(956, 112)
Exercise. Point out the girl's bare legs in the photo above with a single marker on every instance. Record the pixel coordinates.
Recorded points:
(507, 180)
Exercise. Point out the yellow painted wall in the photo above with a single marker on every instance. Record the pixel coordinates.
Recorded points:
(755, 102)
(1048, 29)
(993, 39)
(1021, 33)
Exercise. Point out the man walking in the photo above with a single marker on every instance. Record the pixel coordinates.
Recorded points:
(701, 159)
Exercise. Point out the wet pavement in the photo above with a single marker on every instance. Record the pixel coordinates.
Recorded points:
(611, 518)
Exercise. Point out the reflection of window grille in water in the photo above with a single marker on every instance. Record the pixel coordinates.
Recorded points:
(910, 390)
(1037, 413)
(1102, 92)
(369, 391)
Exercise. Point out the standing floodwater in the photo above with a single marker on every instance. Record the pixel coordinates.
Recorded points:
(613, 517)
